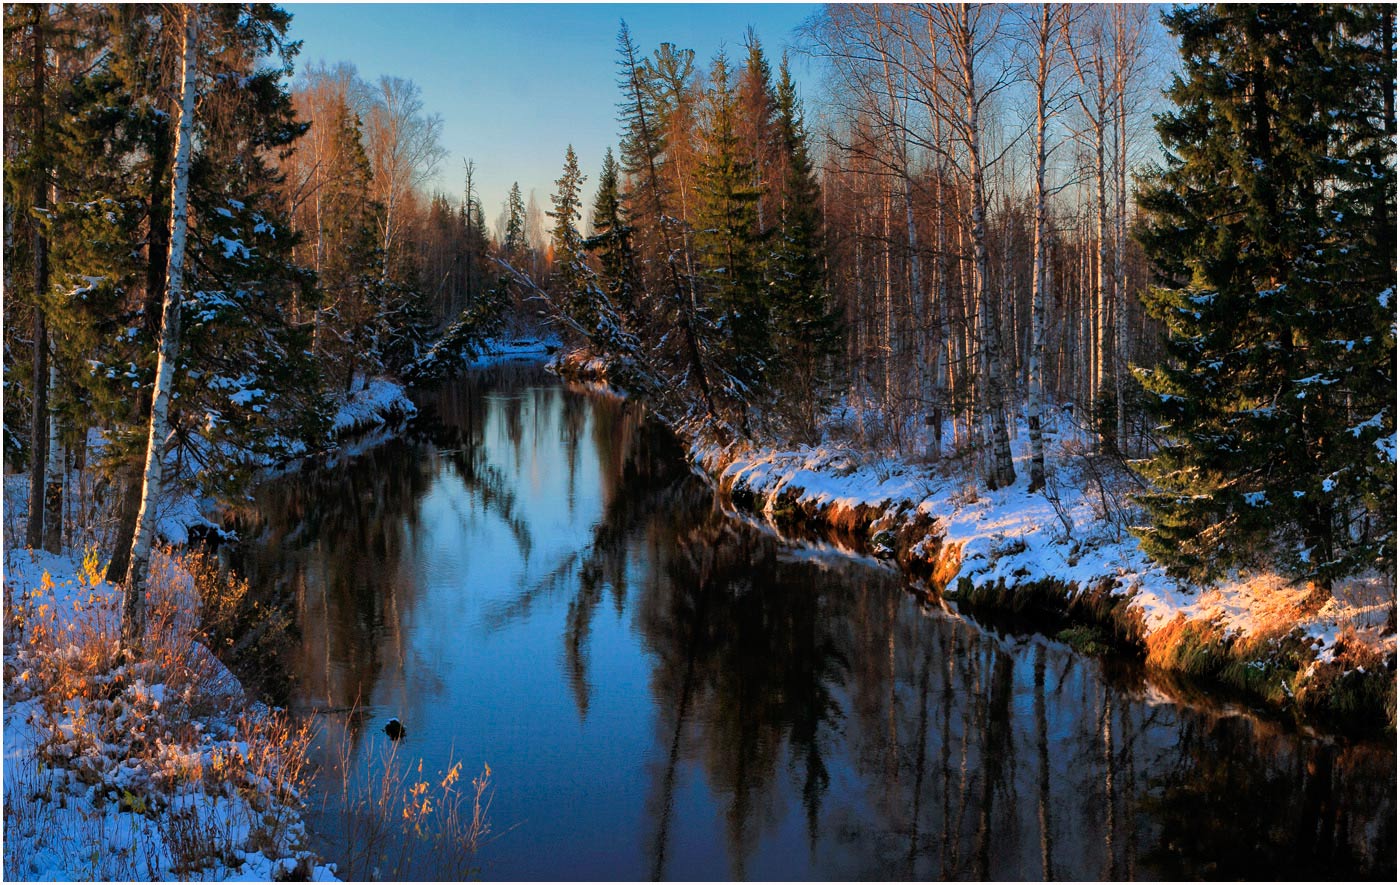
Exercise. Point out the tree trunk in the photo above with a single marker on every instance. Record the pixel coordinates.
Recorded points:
(1104, 295)
(53, 481)
(134, 594)
(1120, 232)
(1002, 472)
(157, 265)
(39, 412)
(1036, 367)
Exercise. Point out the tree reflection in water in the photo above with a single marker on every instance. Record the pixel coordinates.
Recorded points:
(793, 714)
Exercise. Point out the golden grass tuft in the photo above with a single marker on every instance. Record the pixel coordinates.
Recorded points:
(167, 737)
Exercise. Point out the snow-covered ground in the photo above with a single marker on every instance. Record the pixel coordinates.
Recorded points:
(506, 348)
(159, 770)
(1075, 532)
(371, 402)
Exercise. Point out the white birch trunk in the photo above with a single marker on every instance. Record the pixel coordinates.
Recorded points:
(1120, 236)
(1002, 472)
(1035, 386)
(134, 593)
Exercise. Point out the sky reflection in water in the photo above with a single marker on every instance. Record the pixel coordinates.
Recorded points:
(537, 581)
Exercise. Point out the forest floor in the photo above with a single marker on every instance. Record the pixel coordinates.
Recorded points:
(165, 768)
(161, 769)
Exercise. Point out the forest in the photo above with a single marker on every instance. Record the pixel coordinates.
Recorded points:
(1065, 252)
(973, 242)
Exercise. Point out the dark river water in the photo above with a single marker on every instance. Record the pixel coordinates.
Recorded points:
(534, 579)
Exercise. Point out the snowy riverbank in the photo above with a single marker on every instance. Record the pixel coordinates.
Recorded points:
(1065, 558)
(165, 768)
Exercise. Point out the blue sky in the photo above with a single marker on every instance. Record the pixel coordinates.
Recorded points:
(516, 83)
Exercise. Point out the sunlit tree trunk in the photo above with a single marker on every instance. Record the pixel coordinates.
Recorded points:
(993, 389)
(1035, 406)
(134, 593)
(54, 473)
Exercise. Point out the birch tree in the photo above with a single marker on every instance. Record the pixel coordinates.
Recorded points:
(134, 592)
(1046, 23)
(404, 150)
(971, 33)
(1089, 51)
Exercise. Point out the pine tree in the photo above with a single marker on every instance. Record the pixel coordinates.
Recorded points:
(1273, 227)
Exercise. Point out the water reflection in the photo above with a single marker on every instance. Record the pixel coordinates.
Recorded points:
(538, 581)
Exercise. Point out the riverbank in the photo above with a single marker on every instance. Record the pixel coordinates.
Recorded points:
(166, 768)
(1063, 561)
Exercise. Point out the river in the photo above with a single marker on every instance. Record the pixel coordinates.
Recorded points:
(534, 579)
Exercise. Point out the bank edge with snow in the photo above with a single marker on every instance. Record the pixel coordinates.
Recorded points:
(1055, 564)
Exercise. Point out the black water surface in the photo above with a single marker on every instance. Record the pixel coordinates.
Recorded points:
(536, 580)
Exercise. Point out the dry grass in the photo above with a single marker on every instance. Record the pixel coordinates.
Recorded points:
(392, 822)
(156, 744)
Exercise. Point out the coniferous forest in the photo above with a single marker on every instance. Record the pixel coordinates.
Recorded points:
(1083, 317)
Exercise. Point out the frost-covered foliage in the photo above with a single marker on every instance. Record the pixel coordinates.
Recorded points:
(464, 339)
(155, 768)
(371, 401)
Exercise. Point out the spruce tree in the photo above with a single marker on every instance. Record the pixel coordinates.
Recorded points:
(728, 246)
(757, 126)
(578, 292)
(683, 358)
(568, 278)
(806, 330)
(513, 242)
(1272, 227)
(612, 239)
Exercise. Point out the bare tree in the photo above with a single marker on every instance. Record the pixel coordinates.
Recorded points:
(1088, 47)
(404, 152)
(971, 33)
(1129, 35)
(1044, 27)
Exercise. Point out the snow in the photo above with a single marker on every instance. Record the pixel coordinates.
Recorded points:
(507, 349)
(371, 402)
(1386, 447)
(1012, 535)
(232, 248)
(82, 801)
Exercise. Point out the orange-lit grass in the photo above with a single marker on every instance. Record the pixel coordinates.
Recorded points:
(167, 736)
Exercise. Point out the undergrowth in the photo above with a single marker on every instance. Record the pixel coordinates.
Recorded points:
(152, 767)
